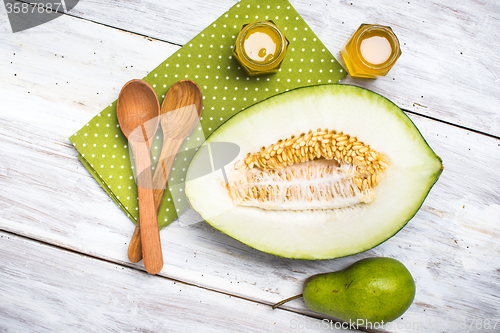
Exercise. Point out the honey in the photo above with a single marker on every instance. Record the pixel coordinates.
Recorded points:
(371, 51)
(260, 48)
(261, 44)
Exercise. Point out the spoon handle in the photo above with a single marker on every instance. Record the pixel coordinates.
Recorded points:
(150, 234)
(160, 178)
(135, 246)
(165, 162)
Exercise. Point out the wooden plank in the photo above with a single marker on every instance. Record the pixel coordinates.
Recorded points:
(49, 196)
(75, 64)
(449, 67)
(45, 289)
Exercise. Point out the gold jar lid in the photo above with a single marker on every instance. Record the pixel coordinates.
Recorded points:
(371, 51)
(260, 48)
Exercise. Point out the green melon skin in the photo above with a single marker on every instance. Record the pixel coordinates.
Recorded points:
(373, 290)
(321, 234)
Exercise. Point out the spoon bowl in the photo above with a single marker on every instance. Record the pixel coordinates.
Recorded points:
(138, 105)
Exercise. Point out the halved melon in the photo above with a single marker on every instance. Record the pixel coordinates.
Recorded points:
(323, 172)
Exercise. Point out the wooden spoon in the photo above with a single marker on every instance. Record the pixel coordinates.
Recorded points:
(180, 112)
(138, 113)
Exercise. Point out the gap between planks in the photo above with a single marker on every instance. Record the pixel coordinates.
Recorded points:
(452, 124)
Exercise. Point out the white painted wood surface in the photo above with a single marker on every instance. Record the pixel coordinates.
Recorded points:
(86, 294)
(59, 75)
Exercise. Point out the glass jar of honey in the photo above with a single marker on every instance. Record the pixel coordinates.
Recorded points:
(371, 51)
(260, 48)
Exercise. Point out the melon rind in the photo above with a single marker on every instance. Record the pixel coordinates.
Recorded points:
(322, 234)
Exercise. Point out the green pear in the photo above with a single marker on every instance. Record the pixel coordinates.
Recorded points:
(372, 290)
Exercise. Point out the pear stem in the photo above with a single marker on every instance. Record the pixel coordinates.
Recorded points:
(286, 300)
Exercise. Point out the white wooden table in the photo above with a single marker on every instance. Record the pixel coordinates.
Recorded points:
(63, 242)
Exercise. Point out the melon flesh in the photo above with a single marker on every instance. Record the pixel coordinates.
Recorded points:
(314, 233)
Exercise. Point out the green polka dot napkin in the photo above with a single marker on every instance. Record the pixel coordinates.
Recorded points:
(207, 60)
